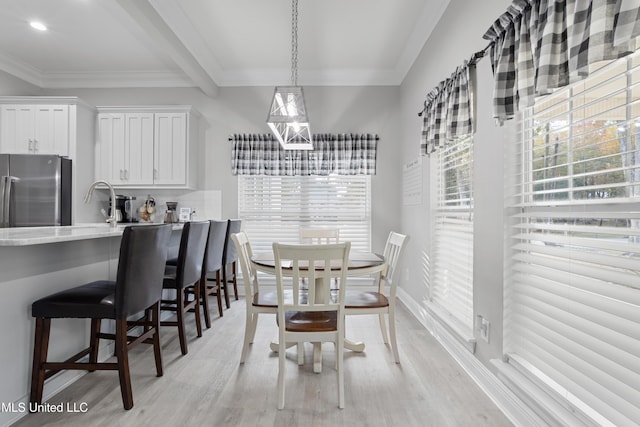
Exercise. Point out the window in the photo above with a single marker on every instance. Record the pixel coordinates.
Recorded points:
(572, 300)
(273, 208)
(452, 285)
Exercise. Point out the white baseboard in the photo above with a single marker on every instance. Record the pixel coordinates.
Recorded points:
(512, 406)
(53, 385)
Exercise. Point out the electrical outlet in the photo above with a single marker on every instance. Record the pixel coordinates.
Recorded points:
(484, 327)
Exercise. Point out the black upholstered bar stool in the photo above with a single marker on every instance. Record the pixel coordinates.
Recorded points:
(184, 278)
(230, 257)
(213, 264)
(137, 289)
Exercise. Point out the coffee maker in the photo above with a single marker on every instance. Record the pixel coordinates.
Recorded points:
(124, 206)
(171, 215)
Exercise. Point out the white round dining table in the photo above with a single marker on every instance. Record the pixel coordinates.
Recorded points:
(360, 264)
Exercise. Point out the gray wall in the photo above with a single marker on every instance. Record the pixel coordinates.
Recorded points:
(457, 36)
(11, 86)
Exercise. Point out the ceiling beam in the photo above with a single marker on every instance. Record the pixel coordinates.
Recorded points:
(180, 24)
(145, 15)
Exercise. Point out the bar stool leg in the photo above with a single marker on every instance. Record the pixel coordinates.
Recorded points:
(123, 363)
(180, 315)
(40, 349)
(94, 341)
(155, 319)
(196, 307)
(219, 293)
(226, 287)
(205, 300)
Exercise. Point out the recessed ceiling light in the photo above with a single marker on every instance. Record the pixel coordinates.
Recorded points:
(38, 25)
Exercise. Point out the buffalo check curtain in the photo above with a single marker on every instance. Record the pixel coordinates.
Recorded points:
(449, 108)
(332, 154)
(540, 45)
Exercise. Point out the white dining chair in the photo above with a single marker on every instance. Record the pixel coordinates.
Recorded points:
(257, 301)
(319, 235)
(383, 300)
(318, 317)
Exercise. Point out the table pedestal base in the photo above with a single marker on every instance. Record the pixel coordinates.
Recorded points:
(358, 347)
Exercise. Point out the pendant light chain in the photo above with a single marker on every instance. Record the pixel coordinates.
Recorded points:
(294, 42)
(288, 113)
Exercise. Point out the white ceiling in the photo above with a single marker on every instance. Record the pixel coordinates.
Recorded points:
(212, 43)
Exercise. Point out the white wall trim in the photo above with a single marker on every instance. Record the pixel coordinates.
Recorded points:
(53, 385)
(555, 410)
(510, 404)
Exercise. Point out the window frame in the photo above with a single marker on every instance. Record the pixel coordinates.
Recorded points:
(451, 279)
(569, 290)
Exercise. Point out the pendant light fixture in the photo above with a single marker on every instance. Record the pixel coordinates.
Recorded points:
(288, 113)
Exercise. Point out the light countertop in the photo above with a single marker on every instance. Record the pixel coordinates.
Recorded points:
(25, 236)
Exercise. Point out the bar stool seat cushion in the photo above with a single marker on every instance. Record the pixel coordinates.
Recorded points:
(95, 300)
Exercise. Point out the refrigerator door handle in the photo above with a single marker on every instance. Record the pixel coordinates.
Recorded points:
(4, 202)
(7, 184)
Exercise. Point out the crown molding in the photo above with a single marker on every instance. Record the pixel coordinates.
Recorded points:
(21, 70)
(117, 79)
(338, 77)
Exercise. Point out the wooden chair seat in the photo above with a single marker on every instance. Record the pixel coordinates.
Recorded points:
(311, 321)
(270, 298)
(368, 299)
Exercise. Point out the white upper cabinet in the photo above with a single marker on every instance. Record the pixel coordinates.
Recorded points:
(170, 149)
(34, 129)
(144, 147)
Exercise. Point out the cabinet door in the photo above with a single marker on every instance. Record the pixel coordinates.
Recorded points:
(139, 148)
(170, 149)
(16, 129)
(110, 148)
(51, 133)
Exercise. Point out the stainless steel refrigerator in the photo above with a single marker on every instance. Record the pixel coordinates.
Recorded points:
(35, 190)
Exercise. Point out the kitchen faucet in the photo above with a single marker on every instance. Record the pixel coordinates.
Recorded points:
(112, 214)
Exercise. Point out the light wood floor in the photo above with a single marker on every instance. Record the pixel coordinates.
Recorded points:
(208, 387)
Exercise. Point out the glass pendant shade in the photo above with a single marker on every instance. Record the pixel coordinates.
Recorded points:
(288, 118)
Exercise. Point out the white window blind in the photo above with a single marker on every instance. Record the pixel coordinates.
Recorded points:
(273, 208)
(452, 283)
(572, 300)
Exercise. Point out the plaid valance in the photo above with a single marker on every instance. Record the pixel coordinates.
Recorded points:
(449, 110)
(340, 154)
(540, 45)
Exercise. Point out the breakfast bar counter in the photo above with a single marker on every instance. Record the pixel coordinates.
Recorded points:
(26, 236)
(39, 261)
